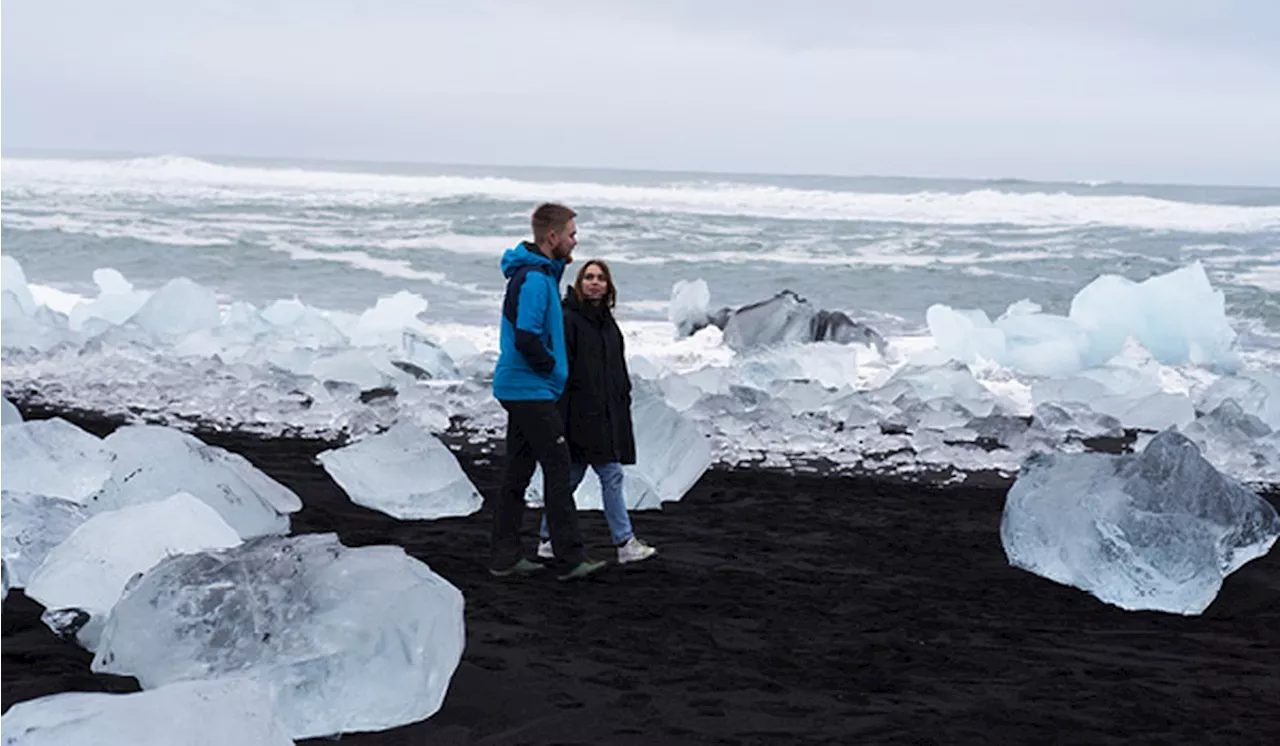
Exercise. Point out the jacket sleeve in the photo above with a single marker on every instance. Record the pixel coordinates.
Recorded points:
(531, 317)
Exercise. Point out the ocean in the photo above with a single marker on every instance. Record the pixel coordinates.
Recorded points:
(338, 236)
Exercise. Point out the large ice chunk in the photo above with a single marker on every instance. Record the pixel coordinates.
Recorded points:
(672, 454)
(89, 570)
(180, 307)
(345, 639)
(784, 318)
(55, 458)
(405, 472)
(15, 281)
(152, 462)
(1178, 317)
(32, 526)
(689, 308)
(1157, 530)
(11, 415)
(190, 713)
(117, 301)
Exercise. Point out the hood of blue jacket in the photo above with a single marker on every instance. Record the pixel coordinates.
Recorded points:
(523, 255)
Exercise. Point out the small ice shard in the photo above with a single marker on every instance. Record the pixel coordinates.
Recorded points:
(345, 639)
(405, 472)
(10, 414)
(1157, 530)
(151, 462)
(188, 713)
(33, 525)
(1256, 393)
(54, 458)
(89, 570)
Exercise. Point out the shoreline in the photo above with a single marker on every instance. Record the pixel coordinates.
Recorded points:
(783, 608)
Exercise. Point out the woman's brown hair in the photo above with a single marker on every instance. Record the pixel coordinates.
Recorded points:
(610, 295)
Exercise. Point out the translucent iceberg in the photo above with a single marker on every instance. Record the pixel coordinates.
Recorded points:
(180, 307)
(672, 454)
(689, 308)
(1256, 393)
(405, 472)
(13, 280)
(11, 415)
(89, 570)
(33, 525)
(1178, 317)
(1157, 530)
(115, 304)
(345, 639)
(785, 318)
(150, 462)
(54, 458)
(189, 713)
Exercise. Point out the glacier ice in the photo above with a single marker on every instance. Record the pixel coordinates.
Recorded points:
(151, 462)
(1178, 317)
(89, 570)
(345, 639)
(220, 712)
(177, 309)
(54, 458)
(424, 359)
(14, 280)
(1255, 392)
(1158, 530)
(115, 303)
(11, 415)
(689, 309)
(33, 525)
(786, 318)
(405, 472)
(672, 454)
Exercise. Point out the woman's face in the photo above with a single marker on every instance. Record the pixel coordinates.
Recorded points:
(594, 283)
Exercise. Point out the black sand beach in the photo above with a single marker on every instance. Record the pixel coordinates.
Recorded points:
(784, 610)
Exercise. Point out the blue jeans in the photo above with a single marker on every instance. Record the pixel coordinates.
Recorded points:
(615, 506)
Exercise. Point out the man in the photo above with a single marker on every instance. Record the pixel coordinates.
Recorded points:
(528, 380)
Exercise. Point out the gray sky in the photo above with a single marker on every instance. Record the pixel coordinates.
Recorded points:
(1140, 90)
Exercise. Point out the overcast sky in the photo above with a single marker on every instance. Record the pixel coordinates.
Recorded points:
(1139, 90)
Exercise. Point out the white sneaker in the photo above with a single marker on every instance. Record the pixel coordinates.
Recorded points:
(634, 551)
(545, 551)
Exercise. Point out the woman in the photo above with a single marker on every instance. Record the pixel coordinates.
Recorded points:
(597, 404)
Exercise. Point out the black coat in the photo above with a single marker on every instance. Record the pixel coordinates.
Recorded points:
(596, 404)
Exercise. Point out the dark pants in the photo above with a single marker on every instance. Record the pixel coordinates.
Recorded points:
(535, 435)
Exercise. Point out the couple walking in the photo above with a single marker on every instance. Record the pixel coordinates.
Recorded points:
(562, 377)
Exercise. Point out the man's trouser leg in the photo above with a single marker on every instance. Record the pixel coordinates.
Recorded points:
(508, 509)
(535, 434)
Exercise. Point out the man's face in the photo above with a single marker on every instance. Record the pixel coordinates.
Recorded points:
(564, 241)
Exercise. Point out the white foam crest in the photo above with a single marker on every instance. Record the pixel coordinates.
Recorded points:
(194, 178)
